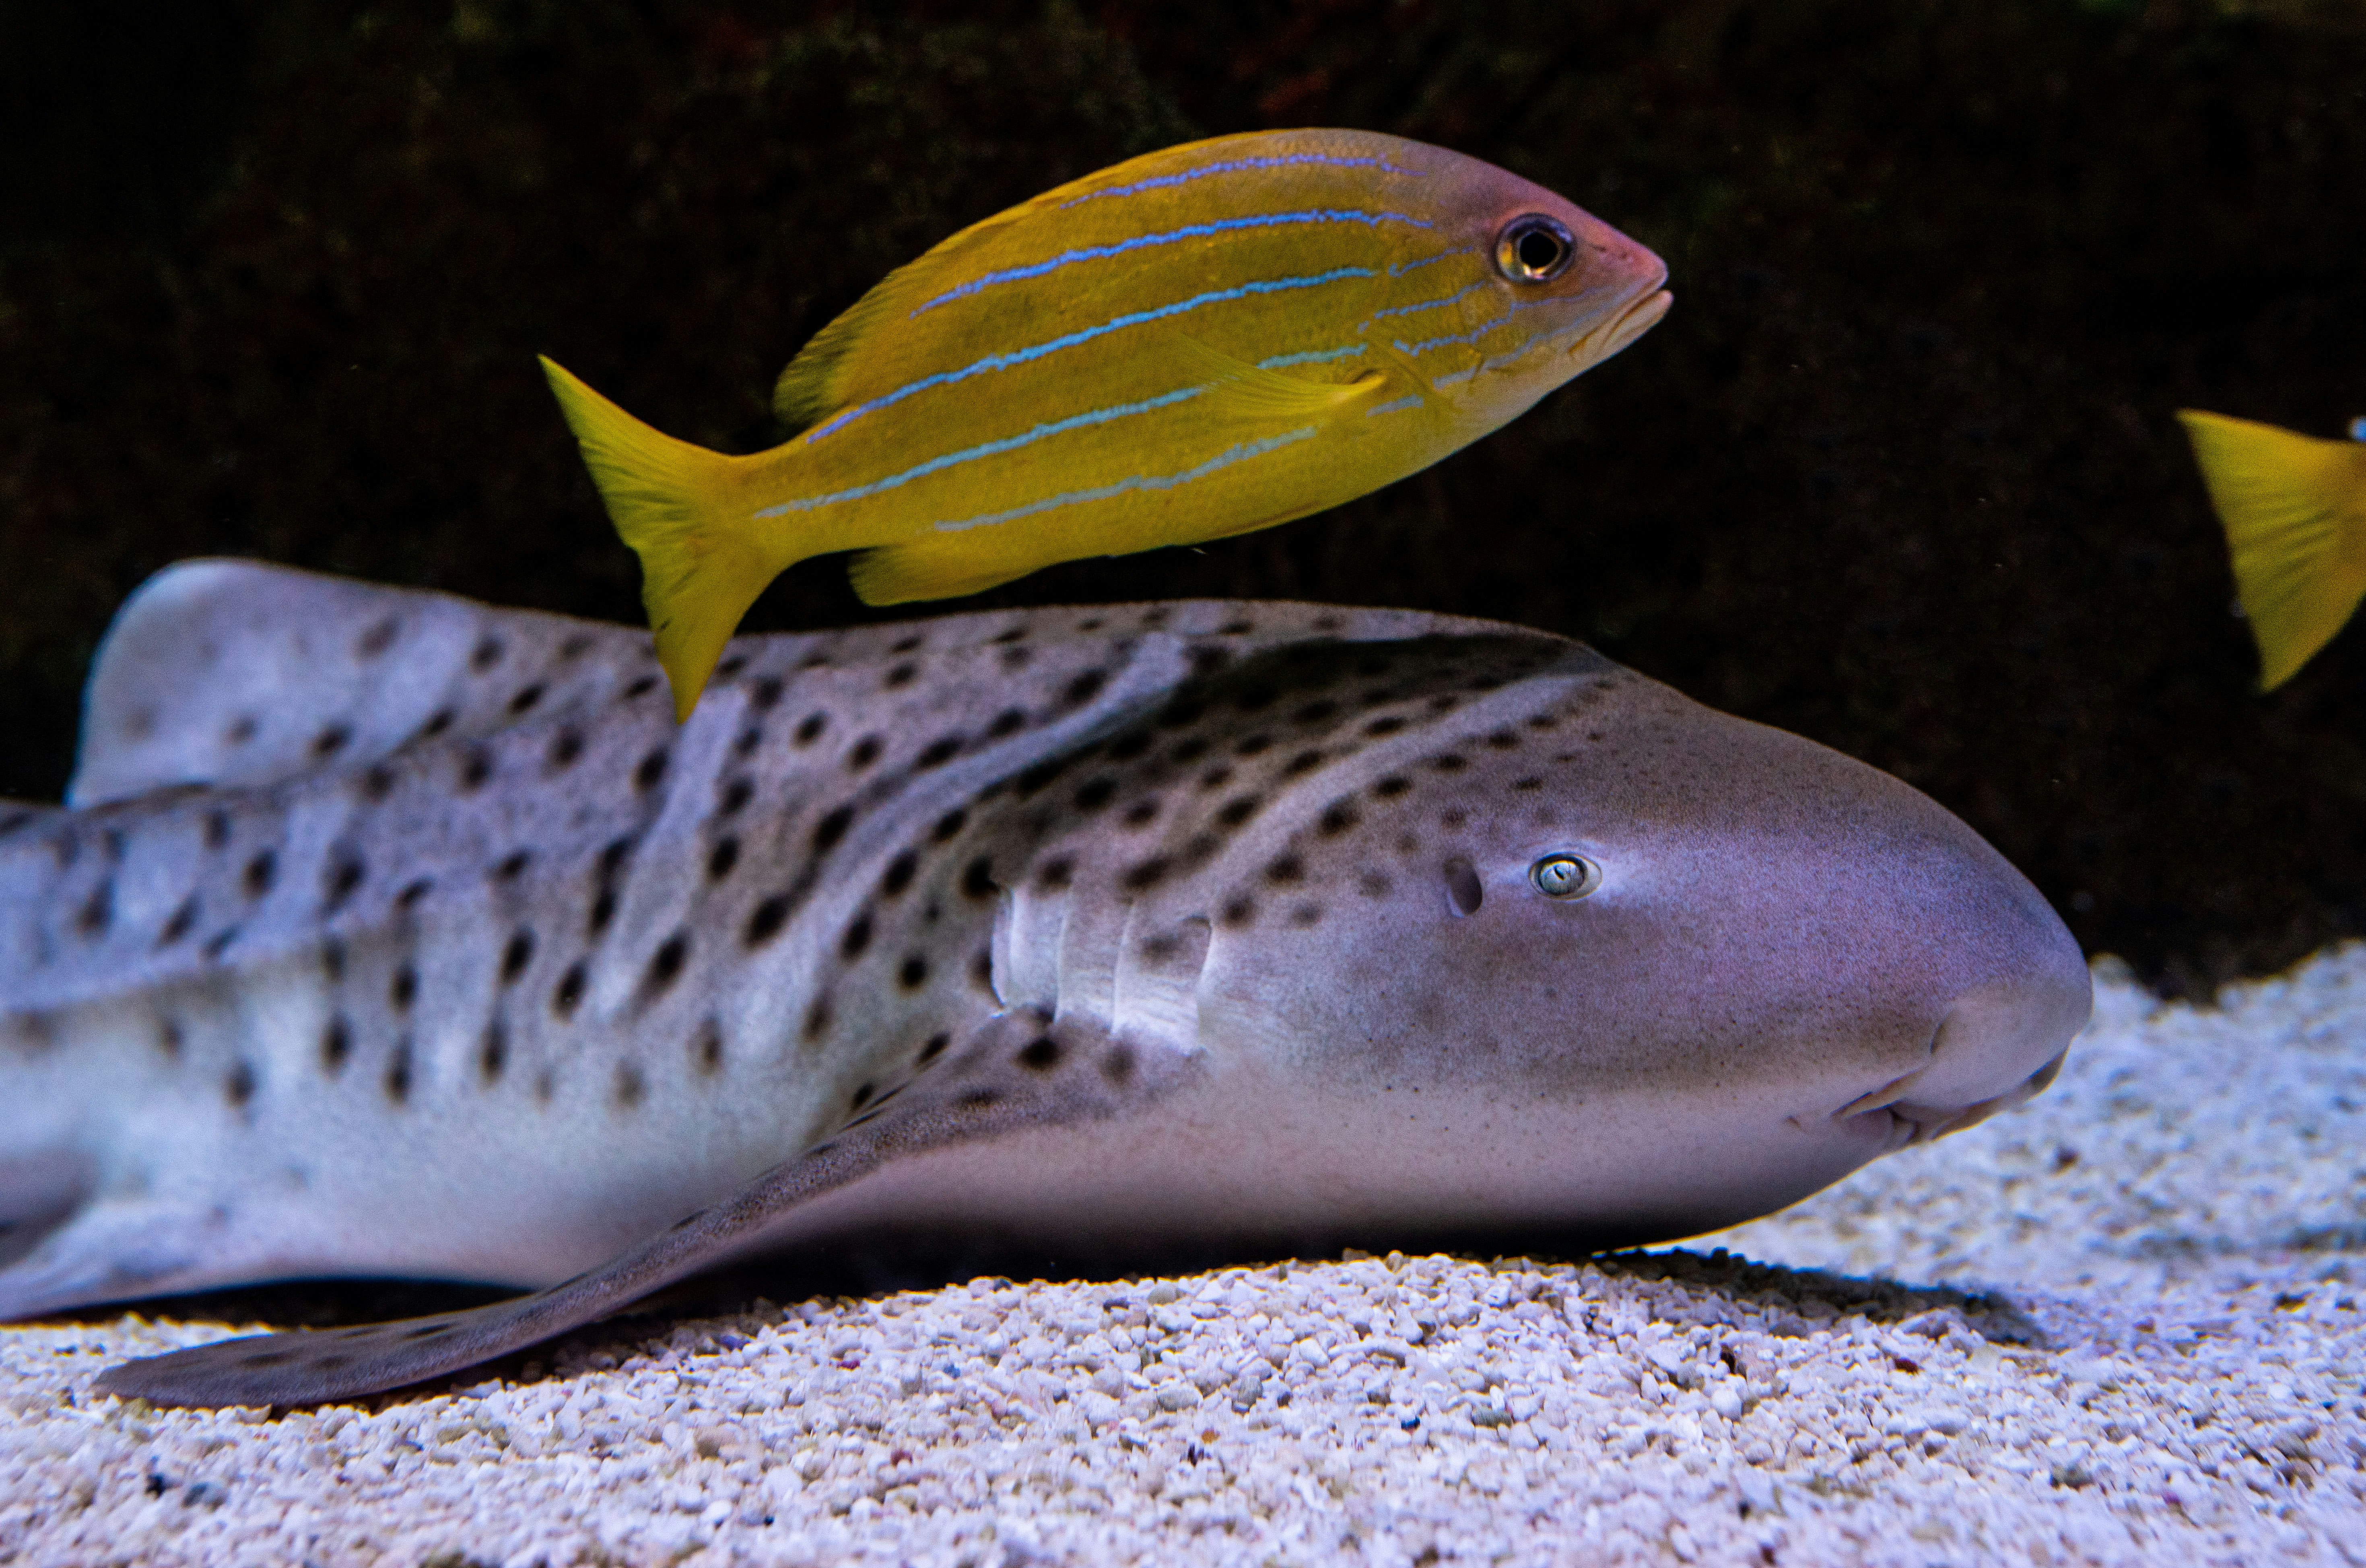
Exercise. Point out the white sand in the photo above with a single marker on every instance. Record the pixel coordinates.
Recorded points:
(2119, 1326)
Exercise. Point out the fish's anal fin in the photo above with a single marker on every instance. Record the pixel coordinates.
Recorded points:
(941, 566)
(2294, 512)
(1019, 1070)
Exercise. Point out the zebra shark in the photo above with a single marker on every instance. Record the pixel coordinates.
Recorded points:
(387, 934)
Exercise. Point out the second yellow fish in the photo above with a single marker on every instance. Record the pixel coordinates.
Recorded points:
(2294, 511)
(1199, 343)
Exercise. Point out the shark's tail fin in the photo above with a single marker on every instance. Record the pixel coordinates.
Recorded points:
(701, 561)
(2294, 511)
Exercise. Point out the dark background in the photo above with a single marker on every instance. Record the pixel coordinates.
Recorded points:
(1898, 472)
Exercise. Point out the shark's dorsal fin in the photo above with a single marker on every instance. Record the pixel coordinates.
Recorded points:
(1019, 1068)
(232, 673)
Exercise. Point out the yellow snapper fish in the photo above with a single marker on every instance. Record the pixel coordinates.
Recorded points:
(1198, 343)
(2294, 511)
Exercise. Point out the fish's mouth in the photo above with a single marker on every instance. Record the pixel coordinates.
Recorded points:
(1641, 316)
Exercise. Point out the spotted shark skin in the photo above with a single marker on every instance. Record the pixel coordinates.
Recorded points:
(386, 933)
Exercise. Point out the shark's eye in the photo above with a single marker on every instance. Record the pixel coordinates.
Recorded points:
(1565, 876)
(1534, 248)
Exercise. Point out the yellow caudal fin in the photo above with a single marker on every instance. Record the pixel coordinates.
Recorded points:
(2294, 511)
(700, 566)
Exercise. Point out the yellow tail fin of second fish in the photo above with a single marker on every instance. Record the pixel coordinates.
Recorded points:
(701, 565)
(2294, 511)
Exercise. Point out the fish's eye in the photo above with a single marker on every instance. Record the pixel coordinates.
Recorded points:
(1534, 248)
(1565, 876)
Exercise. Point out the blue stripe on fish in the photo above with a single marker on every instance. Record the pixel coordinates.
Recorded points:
(1442, 300)
(1410, 401)
(1236, 165)
(1224, 459)
(986, 449)
(1069, 339)
(1311, 357)
(1169, 237)
(1425, 344)
(1497, 361)
(1398, 269)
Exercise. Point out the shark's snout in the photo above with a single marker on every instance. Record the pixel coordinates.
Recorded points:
(1999, 1044)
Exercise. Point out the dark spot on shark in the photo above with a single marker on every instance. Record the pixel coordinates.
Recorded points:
(856, 937)
(182, 920)
(862, 1096)
(735, 795)
(1216, 777)
(331, 742)
(949, 824)
(403, 988)
(765, 923)
(346, 875)
(1095, 793)
(97, 911)
(914, 971)
(1237, 911)
(1016, 658)
(1033, 780)
(333, 960)
(375, 639)
(978, 878)
(493, 1052)
(1187, 750)
(809, 730)
(1141, 813)
(1009, 721)
(603, 909)
(900, 675)
(217, 829)
(412, 892)
(1131, 744)
(665, 964)
(1238, 809)
(1240, 626)
(640, 686)
(1149, 873)
(437, 723)
(1387, 724)
(1057, 873)
(750, 739)
(1452, 818)
(575, 647)
(1256, 697)
(376, 783)
(1085, 687)
(261, 872)
(1251, 745)
(1041, 1054)
(731, 665)
(565, 748)
(1319, 712)
(1015, 634)
(978, 1100)
(476, 768)
(818, 1016)
(170, 1040)
(218, 943)
(1339, 816)
(1372, 884)
(1449, 762)
(936, 753)
(832, 828)
(545, 1085)
(650, 770)
(1304, 915)
(1116, 1064)
(981, 969)
(397, 1072)
(933, 1048)
(487, 653)
(1503, 740)
(569, 996)
(336, 1044)
(512, 866)
(1392, 785)
(898, 874)
(722, 858)
(863, 752)
(1305, 763)
(1527, 785)
(631, 1088)
(764, 694)
(527, 696)
(706, 1048)
(242, 730)
(516, 953)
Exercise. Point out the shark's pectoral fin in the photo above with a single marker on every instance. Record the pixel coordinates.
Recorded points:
(1020, 1069)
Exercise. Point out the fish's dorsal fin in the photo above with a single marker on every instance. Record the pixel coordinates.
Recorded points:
(235, 673)
(1019, 1070)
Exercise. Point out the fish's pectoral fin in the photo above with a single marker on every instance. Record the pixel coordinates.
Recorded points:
(1233, 389)
(1018, 1069)
(2294, 512)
